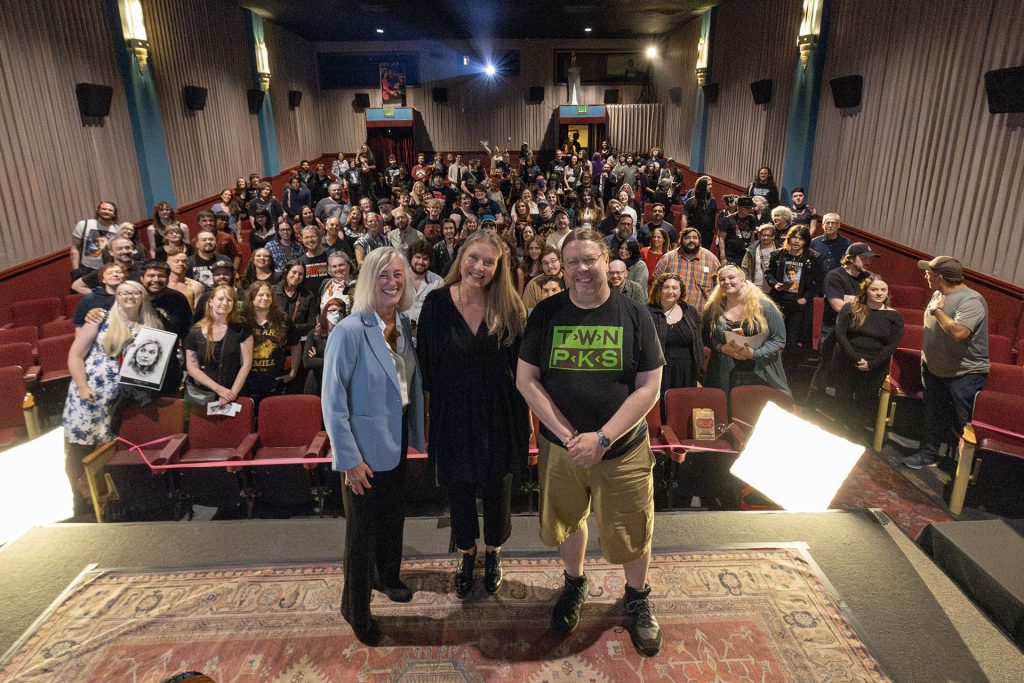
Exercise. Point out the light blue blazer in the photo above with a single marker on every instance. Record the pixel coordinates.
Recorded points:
(362, 403)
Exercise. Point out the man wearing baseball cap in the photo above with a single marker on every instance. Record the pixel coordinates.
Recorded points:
(738, 233)
(954, 357)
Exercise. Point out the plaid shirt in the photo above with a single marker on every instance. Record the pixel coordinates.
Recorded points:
(698, 274)
(282, 254)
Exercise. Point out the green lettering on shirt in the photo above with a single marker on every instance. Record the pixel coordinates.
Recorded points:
(586, 347)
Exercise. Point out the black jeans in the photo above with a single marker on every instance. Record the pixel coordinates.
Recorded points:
(374, 524)
(948, 403)
(497, 504)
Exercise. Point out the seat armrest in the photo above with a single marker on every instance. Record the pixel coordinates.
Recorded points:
(101, 454)
(172, 450)
(6, 326)
(31, 375)
(247, 449)
(672, 443)
(736, 434)
(316, 449)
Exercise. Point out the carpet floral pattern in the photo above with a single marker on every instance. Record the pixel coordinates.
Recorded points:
(727, 615)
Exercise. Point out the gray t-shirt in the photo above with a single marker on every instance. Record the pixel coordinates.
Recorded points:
(947, 357)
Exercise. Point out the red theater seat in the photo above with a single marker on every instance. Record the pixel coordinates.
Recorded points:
(56, 328)
(903, 381)
(1000, 349)
(27, 334)
(912, 337)
(215, 438)
(290, 428)
(20, 354)
(35, 312)
(71, 303)
(996, 428)
(909, 296)
(12, 398)
(746, 402)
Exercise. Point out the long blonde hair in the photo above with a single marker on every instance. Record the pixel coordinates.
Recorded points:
(118, 331)
(206, 324)
(503, 309)
(753, 301)
(859, 306)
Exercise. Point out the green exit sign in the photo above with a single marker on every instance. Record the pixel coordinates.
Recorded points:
(389, 112)
(581, 109)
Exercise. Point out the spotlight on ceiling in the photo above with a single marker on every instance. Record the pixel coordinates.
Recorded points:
(490, 70)
(587, 29)
(380, 30)
(651, 52)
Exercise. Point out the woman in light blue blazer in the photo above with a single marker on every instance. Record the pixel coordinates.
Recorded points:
(373, 409)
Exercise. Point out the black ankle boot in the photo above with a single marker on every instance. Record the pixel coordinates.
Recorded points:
(464, 575)
(492, 571)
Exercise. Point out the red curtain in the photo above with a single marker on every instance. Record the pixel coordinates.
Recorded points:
(386, 141)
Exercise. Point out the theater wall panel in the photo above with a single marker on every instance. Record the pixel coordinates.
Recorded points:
(203, 42)
(753, 40)
(922, 162)
(636, 127)
(54, 169)
(293, 65)
(676, 70)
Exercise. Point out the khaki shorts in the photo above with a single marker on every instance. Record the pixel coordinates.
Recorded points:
(620, 490)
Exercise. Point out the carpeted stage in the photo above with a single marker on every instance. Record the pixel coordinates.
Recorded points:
(910, 617)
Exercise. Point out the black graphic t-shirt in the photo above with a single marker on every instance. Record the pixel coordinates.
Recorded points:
(589, 360)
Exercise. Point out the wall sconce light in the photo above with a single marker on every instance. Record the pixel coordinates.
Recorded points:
(702, 62)
(135, 31)
(263, 65)
(810, 28)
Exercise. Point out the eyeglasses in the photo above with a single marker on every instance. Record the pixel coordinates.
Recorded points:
(129, 294)
(575, 263)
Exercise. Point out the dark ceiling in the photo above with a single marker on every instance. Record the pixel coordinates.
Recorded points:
(358, 20)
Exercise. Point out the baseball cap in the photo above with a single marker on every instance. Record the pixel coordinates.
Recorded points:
(220, 265)
(745, 202)
(559, 210)
(488, 223)
(948, 267)
(541, 204)
(860, 249)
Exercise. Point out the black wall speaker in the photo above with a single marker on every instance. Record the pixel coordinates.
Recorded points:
(93, 99)
(536, 94)
(710, 93)
(676, 95)
(1005, 90)
(195, 97)
(294, 98)
(362, 101)
(611, 96)
(846, 90)
(255, 98)
(762, 91)
(440, 95)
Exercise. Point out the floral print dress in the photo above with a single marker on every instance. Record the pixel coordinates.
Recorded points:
(90, 422)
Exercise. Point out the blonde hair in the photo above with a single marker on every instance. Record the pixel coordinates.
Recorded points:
(753, 301)
(206, 324)
(503, 309)
(118, 332)
(376, 261)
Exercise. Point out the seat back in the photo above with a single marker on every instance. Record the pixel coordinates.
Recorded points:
(1000, 349)
(654, 419)
(160, 418)
(746, 402)
(71, 303)
(291, 420)
(12, 395)
(1004, 378)
(905, 371)
(217, 431)
(912, 337)
(679, 405)
(909, 296)
(17, 353)
(35, 312)
(25, 333)
(53, 354)
(55, 328)
(911, 316)
(998, 410)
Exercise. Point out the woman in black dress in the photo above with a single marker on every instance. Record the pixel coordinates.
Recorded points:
(468, 344)
(678, 325)
(867, 333)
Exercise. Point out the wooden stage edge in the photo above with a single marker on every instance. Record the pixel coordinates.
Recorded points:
(911, 615)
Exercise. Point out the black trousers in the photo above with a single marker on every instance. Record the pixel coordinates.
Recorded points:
(374, 524)
(497, 503)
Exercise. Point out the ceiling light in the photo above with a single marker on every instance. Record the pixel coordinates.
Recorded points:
(652, 52)
(380, 30)
(490, 70)
(587, 30)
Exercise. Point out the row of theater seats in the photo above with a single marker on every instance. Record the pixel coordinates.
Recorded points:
(163, 464)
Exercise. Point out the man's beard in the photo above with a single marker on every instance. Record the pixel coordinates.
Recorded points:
(691, 249)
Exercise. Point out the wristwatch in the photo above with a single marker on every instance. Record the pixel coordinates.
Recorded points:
(602, 440)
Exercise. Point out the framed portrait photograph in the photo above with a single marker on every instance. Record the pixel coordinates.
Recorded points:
(146, 358)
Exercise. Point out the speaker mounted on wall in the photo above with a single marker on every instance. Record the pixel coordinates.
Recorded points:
(255, 98)
(440, 95)
(93, 100)
(710, 93)
(676, 95)
(611, 96)
(195, 97)
(762, 91)
(1005, 90)
(361, 102)
(847, 90)
(536, 94)
(294, 98)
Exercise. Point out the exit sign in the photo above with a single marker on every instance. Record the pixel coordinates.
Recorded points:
(581, 109)
(389, 112)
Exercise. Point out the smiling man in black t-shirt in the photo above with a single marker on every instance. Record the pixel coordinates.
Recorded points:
(590, 369)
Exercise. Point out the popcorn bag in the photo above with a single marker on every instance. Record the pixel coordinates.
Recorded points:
(704, 424)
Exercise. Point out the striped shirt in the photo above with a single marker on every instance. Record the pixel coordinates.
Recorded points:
(698, 273)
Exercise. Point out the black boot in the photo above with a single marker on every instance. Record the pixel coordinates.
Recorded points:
(644, 630)
(566, 614)
(492, 571)
(464, 575)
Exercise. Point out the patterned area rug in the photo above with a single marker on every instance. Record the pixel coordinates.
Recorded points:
(874, 483)
(726, 615)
